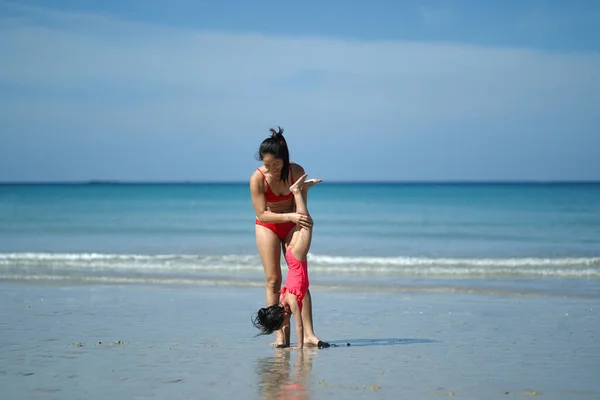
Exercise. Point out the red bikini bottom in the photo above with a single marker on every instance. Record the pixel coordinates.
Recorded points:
(281, 230)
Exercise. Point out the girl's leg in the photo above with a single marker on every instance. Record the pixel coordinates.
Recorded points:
(269, 249)
(301, 237)
(300, 244)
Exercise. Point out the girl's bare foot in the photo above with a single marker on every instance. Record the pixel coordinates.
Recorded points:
(310, 183)
(297, 186)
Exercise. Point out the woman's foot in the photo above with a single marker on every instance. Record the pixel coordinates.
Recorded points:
(297, 186)
(315, 341)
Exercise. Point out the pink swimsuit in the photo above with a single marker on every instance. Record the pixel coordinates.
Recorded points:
(296, 282)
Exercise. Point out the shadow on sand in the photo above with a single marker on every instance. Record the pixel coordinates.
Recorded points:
(379, 342)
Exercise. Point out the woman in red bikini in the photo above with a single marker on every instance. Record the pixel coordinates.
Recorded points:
(277, 316)
(276, 220)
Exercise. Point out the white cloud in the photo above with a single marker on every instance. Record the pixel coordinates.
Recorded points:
(76, 72)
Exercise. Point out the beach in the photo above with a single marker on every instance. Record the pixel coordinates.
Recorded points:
(155, 166)
(163, 341)
(146, 291)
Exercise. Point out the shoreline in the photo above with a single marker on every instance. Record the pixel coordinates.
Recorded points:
(479, 286)
(165, 341)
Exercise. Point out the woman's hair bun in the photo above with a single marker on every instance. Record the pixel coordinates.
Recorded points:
(277, 133)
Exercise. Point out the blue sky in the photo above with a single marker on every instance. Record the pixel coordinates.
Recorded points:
(150, 90)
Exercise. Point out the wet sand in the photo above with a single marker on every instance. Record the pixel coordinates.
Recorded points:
(164, 342)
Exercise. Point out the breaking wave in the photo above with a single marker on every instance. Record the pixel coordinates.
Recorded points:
(165, 265)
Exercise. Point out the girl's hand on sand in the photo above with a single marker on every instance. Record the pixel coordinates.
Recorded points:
(304, 221)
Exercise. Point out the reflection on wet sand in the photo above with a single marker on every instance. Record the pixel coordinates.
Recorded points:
(280, 378)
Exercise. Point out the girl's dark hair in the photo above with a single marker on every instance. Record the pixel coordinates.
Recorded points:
(269, 319)
(277, 146)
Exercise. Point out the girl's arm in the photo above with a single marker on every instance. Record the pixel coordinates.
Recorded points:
(292, 300)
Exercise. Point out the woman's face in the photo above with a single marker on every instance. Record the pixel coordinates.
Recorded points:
(272, 165)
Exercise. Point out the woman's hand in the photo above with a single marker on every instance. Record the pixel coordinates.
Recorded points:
(304, 221)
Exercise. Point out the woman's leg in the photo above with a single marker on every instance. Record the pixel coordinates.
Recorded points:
(269, 249)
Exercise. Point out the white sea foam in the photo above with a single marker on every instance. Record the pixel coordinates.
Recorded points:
(482, 262)
(145, 264)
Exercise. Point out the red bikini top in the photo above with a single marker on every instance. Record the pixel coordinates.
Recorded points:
(272, 197)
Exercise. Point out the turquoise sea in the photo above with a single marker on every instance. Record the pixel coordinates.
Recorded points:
(511, 237)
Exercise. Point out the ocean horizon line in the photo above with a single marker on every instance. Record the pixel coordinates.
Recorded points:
(349, 182)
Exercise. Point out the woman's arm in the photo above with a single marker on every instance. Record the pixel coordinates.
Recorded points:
(297, 170)
(257, 192)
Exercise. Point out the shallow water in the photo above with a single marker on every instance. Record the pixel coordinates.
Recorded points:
(542, 238)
